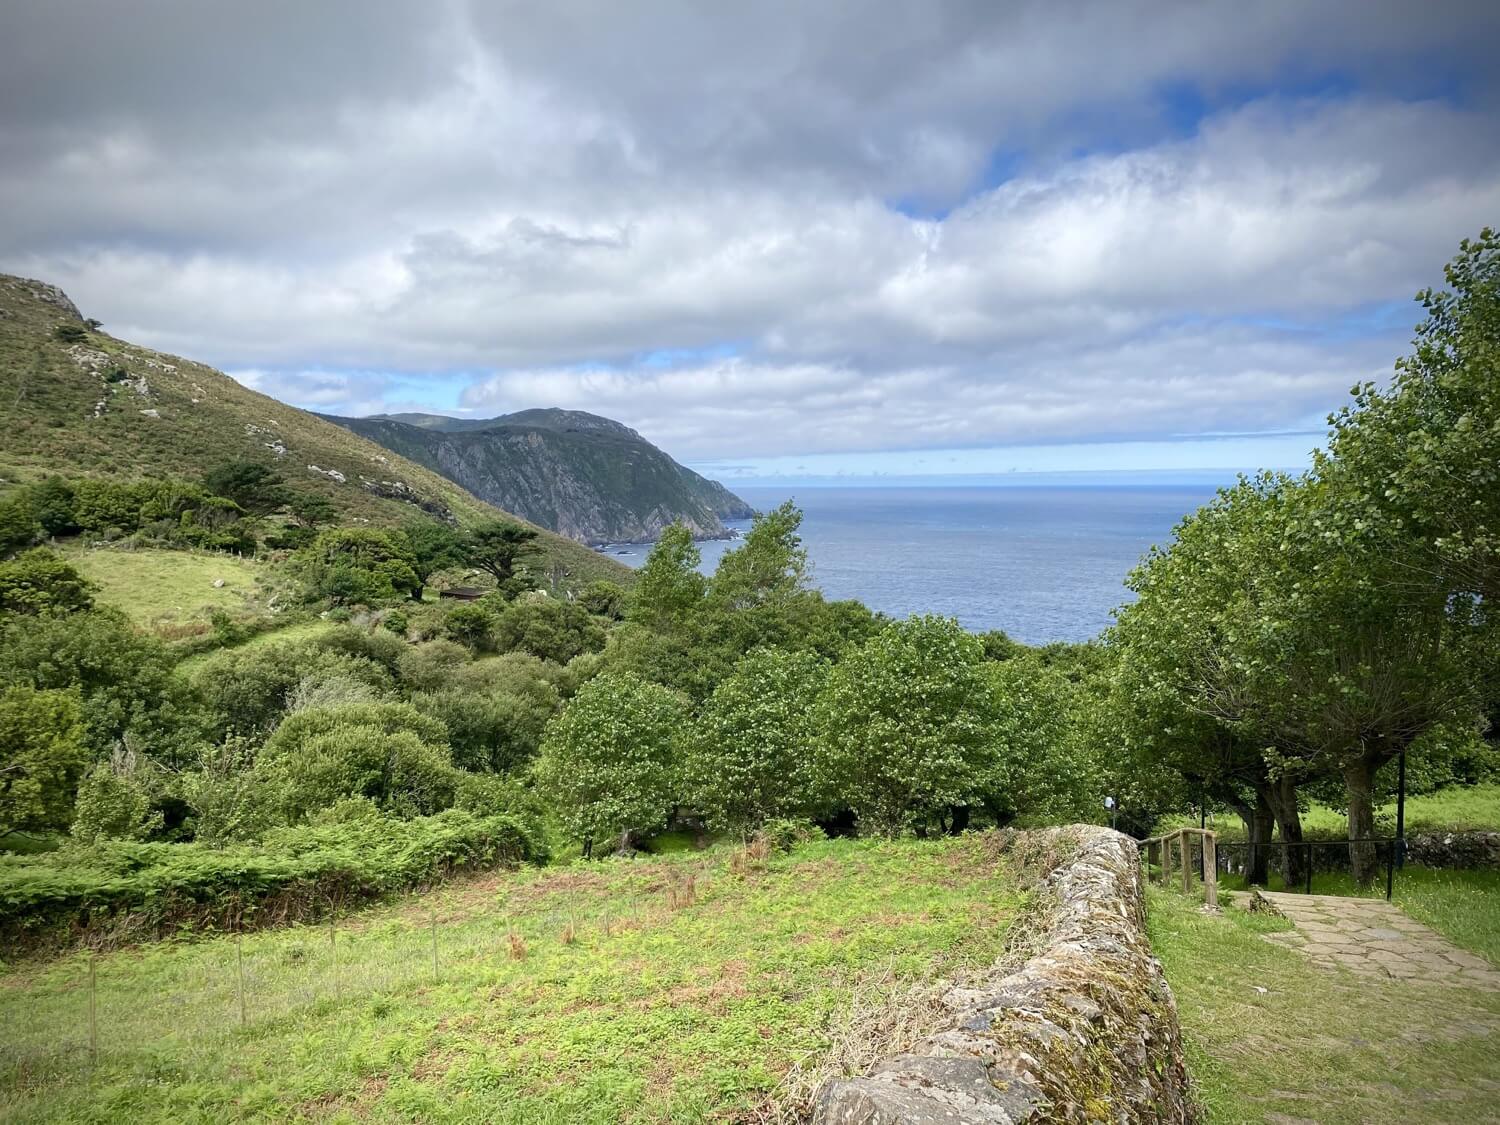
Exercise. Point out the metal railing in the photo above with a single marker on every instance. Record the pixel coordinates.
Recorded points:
(1389, 852)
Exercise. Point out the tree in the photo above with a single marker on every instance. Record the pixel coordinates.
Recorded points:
(358, 566)
(389, 753)
(669, 589)
(256, 488)
(39, 581)
(547, 627)
(610, 760)
(42, 755)
(500, 548)
(310, 510)
(604, 598)
(19, 525)
(769, 568)
(903, 725)
(750, 759)
(434, 547)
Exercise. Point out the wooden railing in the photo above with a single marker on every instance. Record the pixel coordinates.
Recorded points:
(1208, 849)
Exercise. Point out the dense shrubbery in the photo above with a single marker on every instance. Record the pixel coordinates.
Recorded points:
(134, 889)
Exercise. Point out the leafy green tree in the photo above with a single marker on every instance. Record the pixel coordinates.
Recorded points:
(549, 628)
(38, 581)
(500, 548)
(751, 748)
(113, 804)
(124, 678)
(358, 566)
(604, 598)
(494, 731)
(258, 489)
(19, 525)
(768, 568)
(310, 510)
(610, 760)
(53, 500)
(471, 624)
(669, 589)
(434, 547)
(903, 725)
(248, 691)
(42, 755)
(389, 753)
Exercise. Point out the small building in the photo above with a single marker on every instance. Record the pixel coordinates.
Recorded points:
(463, 593)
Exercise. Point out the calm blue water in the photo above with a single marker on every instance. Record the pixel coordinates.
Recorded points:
(1042, 563)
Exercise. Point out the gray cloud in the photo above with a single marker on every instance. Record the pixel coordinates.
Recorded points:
(547, 196)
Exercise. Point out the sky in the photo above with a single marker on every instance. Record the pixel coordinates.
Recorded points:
(784, 241)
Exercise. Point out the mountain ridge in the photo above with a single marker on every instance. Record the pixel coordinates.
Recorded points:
(81, 402)
(581, 475)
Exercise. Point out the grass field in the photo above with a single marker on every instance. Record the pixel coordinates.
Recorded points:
(160, 588)
(684, 988)
(1272, 1037)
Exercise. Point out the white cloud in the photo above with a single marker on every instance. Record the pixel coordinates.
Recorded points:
(541, 198)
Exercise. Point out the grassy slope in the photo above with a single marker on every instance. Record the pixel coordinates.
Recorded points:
(50, 391)
(1270, 1033)
(672, 1015)
(172, 587)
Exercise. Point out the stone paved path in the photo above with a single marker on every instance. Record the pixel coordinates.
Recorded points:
(1373, 936)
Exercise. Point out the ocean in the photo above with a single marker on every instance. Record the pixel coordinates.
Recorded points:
(1043, 563)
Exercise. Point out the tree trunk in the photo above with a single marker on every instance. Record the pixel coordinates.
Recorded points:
(1359, 780)
(1283, 800)
(1258, 821)
(960, 821)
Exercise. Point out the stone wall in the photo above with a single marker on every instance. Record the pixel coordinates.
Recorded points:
(1085, 1030)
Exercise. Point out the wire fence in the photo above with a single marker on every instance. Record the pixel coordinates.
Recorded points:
(181, 1006)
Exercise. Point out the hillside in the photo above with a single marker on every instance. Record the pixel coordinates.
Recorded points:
(586, 477)
(101, 406)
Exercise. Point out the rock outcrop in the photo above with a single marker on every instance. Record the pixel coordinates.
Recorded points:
(1085, 1030)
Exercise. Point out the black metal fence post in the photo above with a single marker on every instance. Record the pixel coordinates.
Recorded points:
(1309, 866)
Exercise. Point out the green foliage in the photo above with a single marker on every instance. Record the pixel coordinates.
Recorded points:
(248, 690)
(387, 752)
(42, 754)
(669, 588)
(38, 581)
(114, 804)
(903, 725)
(768, 568)
(750, 758)
(495, 731)
(471, 624)
(434, 547)
(428, 666)
(125, 679)
(255, 488)
(70, 333)
(358, 566)
(546, 627)
(306, 869)
(229, 801)
(609, 761)
(604, 599)
(500, 548)
(19, 525)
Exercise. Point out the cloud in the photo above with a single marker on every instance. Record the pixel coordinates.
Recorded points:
(799, 206)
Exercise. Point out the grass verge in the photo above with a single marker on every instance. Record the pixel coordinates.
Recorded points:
(678, 989)
(1270, 1033)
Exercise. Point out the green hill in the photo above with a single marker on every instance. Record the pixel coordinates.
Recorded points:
(93, 405)
(583, 476)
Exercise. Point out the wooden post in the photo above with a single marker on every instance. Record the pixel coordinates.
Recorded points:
(333, 948)
(1187, 869)
(239, 953)
(1210, 869)
(93, 1009)
(1166, 861)
(434, 948)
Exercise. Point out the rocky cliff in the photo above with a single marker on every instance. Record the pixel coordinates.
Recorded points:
(580, 475)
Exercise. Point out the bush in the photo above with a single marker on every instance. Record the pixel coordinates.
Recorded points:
(42, 754)
(136, 891)
(609, 762)
(249, 690)
(431, 665)
(548, 628)
(395, 622)
(357, 566)
(471, 624)
(388, 752)
(39, 581)
(495, 732)
(114, 805)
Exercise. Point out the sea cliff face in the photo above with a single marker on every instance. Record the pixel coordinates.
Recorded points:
(586, 477)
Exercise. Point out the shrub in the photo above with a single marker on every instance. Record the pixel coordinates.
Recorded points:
(388, 752)
(39, 581)
(249, 690)
(114, 804)
(431, 665)
(609, 762)
(357, 566)
(42, 754)
(395, 622)
(133, 891)
(493, 732)
(70, 333)
(549, 628)
(471, 624)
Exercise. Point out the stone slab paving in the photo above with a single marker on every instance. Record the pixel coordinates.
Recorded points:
(1375, 937)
